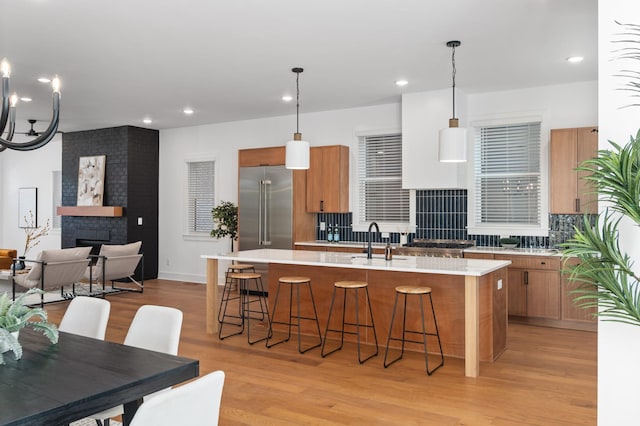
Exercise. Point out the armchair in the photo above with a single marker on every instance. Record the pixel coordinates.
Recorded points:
(116, 262)
(54, 269)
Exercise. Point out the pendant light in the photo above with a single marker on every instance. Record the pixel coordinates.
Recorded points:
(297, 151)
(453, 140)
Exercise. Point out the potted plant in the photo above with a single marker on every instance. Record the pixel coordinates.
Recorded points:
(33, 234)
(14, 316)
(607, 276)
(225, 218)
(606, 272)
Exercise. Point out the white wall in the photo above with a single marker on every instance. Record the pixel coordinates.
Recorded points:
(179, 257)
(27, 170)
(618, 344)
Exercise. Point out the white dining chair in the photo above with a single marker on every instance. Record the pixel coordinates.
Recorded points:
(196, 403)
(156, 328)
(86, 316)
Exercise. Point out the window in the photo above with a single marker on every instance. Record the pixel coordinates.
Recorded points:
(381, 197)
(507, 175)
(201, 197)
(56, 179)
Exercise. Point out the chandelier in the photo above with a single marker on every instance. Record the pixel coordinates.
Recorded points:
(297, 150)
(453, 140)
(8, 115)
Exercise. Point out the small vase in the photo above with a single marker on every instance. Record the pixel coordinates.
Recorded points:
(19, 265)
(4, 346)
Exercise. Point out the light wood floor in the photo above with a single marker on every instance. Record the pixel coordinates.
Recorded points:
(546, 376)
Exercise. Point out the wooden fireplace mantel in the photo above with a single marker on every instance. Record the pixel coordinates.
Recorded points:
(108, 211)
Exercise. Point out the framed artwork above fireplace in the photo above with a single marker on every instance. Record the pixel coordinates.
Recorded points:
(91, 180)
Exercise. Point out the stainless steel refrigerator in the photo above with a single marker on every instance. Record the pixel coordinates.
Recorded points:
(265, 210)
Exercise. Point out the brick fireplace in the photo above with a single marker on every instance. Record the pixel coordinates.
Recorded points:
(131, 181)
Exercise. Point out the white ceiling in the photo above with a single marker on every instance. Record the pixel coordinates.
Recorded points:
(122, 60)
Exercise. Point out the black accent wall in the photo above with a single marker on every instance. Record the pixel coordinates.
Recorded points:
(131, 181)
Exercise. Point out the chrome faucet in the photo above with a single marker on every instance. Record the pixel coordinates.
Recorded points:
(369, 251)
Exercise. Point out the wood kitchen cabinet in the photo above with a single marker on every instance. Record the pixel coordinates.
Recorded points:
(569, 192)
(570, 310)
(534, 286)
(328, 179)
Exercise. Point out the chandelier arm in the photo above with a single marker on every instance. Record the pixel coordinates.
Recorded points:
(5, 104)
(44, 138)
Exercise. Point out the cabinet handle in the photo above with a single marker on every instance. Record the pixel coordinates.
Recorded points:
(526, 277)
(321, 205)
(543, 263)
(577, 205)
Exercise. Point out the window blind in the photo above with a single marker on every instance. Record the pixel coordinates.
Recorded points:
(381, 197)
(201, 197)
(507, 175)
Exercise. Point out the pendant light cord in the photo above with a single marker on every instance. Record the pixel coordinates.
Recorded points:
(453, 78)
(297, 103)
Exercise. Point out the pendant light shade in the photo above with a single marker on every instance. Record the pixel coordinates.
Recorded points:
(453, 140)
(297, 150)
(297, 153)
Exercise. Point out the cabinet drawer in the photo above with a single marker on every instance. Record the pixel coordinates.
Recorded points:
(531, 262)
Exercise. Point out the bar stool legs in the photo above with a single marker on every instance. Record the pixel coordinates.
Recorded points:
(350, 285)
(246, 301)
(420, 291)
(292, 282)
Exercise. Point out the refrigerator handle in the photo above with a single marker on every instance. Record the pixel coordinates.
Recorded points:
(265, 209)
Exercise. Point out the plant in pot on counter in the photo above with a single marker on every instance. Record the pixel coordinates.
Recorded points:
(225, 220)
(14, 316)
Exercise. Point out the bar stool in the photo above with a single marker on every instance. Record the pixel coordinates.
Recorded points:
(350, 285)
(238, 267)
(294, 282)
(245, 304)
(420, 291)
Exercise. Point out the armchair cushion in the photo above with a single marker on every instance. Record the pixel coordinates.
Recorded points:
(121, 261)
(6, 257)
(59, 255)
(115, 250)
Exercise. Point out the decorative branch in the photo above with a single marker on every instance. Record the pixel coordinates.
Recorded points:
(33, 232)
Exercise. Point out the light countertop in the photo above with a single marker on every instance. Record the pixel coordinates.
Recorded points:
(352, 244)
(516, 251)
(419, 264)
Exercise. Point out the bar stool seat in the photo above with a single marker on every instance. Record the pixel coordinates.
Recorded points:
(245, 302)
(407, 290)
(293, 282)
(355, 286)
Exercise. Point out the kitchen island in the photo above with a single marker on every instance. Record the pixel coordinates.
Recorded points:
(469, 294)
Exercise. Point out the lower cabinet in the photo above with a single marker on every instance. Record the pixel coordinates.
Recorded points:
(539, 293)
(571, 311)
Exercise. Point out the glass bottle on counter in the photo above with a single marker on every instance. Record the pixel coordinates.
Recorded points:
(387, 251)
(336, 234)
(329, 233)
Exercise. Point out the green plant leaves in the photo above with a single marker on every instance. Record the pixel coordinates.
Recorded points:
(606, 272)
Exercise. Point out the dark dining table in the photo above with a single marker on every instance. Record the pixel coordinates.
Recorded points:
(79, 376)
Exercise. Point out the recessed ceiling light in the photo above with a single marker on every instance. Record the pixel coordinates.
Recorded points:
(287, 98)
(188, 111)
(574, 59)
(44, 80)
(401, 83)
(25, 99)
(147, 121)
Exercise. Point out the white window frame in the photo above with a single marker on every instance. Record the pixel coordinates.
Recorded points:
(542, 229)
(360, 225)
(56, 198)
(188, 234)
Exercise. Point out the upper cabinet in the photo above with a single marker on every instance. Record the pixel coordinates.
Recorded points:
(423, 115)
(328, 179)
(569, 192)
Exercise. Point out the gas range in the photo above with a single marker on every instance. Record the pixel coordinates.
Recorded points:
(435, 248)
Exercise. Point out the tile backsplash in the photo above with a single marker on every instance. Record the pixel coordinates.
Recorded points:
(442, 214)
